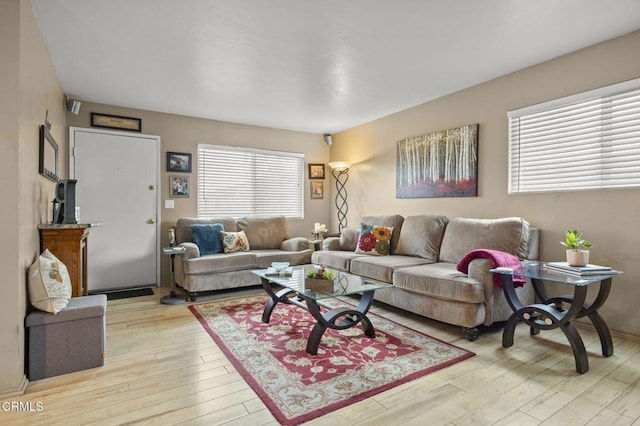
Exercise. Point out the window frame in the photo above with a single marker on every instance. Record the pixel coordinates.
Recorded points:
(606, 165)
(259, 191)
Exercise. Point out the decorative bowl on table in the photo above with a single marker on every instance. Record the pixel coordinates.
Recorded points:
(279, 266)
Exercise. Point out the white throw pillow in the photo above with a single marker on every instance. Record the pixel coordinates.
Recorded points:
(49, 283)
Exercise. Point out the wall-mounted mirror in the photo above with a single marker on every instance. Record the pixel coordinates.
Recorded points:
(48, 155)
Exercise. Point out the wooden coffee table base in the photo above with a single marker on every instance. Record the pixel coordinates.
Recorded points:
(337, 318)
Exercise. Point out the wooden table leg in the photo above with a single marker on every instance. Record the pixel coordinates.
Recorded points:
(548, 316)
(339, 319)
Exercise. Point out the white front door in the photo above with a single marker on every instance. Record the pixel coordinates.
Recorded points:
(117, 176)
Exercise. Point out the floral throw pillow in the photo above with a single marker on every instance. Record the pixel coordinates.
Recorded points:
(235, 241)
(374, 240)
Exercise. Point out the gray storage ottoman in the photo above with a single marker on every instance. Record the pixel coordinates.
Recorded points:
(72, 340)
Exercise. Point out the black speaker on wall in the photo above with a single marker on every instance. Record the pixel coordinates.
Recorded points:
(65, 211)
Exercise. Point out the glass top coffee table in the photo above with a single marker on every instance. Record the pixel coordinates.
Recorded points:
(295, 292)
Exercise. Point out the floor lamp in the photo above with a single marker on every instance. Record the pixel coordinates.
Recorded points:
(340, 171)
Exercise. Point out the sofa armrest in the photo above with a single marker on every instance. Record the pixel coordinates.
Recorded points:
(295, 244)
(533, 245)
(192, 251)
(331, 243)
(479, 271)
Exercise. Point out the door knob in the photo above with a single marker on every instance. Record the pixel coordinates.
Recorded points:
(152, 187)
(151, 221)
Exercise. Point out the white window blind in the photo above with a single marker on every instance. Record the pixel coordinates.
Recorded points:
(243, 181)
(586, 141)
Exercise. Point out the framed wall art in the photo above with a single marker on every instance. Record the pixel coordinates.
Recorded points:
(316, 171)
(179, 186)
(316, 190)
(179, 162)
(438, 164)
(117, 122)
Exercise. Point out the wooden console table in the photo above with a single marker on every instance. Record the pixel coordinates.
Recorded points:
(68, 242)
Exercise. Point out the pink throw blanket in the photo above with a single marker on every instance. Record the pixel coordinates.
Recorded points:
(497, 259)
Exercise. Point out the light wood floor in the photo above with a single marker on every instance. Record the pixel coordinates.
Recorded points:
(163, 368)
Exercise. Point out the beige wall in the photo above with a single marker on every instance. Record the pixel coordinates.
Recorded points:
(30, 88)
(183, 134)
(608, 218)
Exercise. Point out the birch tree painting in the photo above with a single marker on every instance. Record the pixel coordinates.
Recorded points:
(439, 164)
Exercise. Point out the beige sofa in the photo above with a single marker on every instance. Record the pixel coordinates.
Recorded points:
(425, 250)
(268, 239)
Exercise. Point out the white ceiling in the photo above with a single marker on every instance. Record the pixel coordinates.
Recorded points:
(318, 66)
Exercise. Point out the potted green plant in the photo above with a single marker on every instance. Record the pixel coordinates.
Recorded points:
(576, 245)
(321, 279)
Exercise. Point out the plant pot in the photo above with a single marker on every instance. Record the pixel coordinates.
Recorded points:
(317, 284)
(577, 257)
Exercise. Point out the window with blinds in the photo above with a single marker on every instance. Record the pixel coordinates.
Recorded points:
(243, 181)
(586, 141)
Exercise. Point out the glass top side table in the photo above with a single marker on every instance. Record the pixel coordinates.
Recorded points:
(552, 312)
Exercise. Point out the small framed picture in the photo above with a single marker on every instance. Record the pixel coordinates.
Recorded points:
(179, 162)
(317, 190)
(316, 171)
(107, 121)
(179, 186)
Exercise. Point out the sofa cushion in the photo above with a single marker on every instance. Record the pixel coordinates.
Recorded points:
(392, 220)
(221, 262)
(422, 235)
(235, 241)
(374, 240)
(349, 238)
(183, 226)
(264, 232)
(340, 260)
(381, 268)
(462, 235)
(441, 280)
(208, 237)
(265, 257)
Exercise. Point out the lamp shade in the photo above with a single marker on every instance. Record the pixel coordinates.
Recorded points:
(339, 165)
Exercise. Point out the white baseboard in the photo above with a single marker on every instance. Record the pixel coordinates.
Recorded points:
(20, 390)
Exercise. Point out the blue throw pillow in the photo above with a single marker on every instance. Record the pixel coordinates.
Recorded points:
(208, 237)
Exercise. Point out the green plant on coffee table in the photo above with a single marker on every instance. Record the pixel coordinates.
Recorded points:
(573, 240)
(321, 273)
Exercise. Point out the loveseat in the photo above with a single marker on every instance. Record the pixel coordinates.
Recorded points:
(423, 254)
(220, 252)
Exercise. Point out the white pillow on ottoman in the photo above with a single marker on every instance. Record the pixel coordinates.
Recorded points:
(49, 283)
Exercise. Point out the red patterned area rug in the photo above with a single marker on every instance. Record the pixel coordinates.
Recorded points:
(349, 367)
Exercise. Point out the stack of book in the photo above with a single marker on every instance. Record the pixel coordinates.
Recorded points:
(589, 269)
